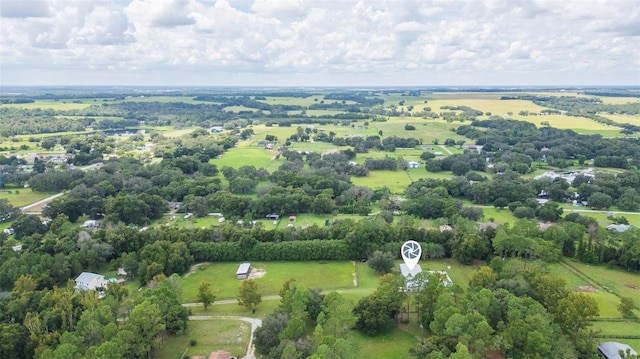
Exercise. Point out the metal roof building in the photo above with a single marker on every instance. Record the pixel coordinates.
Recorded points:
(243, 271)
(610, 350)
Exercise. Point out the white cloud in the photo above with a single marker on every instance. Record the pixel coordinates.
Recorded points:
(310, 42)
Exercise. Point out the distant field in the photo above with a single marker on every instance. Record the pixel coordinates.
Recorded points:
(326, 275)
(630, 119)
(51, 104)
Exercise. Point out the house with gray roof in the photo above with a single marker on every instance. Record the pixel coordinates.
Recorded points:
(90, 281)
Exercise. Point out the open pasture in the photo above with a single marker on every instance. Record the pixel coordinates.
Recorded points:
(22, 196)
(210, 335)
(623, 283)
(313, 274)
(426, 130)
(245, 154)
(630, 119)
(54, 105)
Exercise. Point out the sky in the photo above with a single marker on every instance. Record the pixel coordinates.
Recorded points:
(320, 43)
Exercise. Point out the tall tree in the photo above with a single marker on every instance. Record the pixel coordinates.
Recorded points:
(205, 296)
(248, 295)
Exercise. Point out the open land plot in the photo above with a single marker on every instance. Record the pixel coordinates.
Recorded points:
(301, 101)
(397, 181)
(426, 130)
(22, 196)
(244, 155)
(317, 112)
(563, 122)
(210, 335)
(182, 99)
(52, 104)
(313, 274)
(394, 344)
(630, 119)
(626, 284)
(634, 219)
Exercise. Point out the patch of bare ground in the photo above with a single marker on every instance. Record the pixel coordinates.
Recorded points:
(586, 288)
(631, 286)
(194, 267)
(257, 273)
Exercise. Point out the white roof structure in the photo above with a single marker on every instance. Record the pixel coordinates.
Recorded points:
(90, 281)
(610, 349)
(244, 268)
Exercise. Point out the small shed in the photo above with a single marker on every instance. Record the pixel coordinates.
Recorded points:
(414, 164)
(243, 271)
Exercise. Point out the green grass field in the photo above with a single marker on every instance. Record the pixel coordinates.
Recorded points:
(52, 104)
(394, 344)
(210, 335)
(22, 196)
(311, 274)
(623, 283)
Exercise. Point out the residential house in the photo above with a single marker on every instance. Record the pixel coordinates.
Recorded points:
(90, 281)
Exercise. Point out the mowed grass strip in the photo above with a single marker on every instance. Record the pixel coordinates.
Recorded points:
(617, 328)
(210, 335)
(224, 284)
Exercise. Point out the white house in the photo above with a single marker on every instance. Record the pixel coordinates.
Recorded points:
(414, 164)
(90, 281)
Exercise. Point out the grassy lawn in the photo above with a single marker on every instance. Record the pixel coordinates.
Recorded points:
(326, 275)
(620, 328)
(394, 344)
(397, 181)
(210, 335)
(234, 309)
(22, 196)
(624, 283)
(246, 155)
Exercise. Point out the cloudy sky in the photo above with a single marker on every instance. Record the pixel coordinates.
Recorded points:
(320, 43)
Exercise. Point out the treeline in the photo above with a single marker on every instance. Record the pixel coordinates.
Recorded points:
(500, 136)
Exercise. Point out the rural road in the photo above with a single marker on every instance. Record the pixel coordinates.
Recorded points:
(26, 208)
(42, 201)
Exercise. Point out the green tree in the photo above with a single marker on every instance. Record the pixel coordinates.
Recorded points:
(381, 262)
(205, 296)
(575, 312)
(625, 307)
(248, 295)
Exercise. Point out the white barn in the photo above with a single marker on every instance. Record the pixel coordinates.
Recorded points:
(243, 271)
(90, 281)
